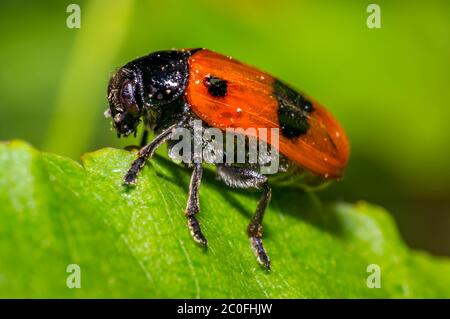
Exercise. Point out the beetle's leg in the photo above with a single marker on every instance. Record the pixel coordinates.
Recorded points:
(193, 205)
(145, 153)
(241, 177)
(254, 229)
(144, 138)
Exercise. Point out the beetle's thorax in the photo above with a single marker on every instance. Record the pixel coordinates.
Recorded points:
(164, 76)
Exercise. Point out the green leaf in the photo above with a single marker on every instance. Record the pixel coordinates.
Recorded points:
(135, 243)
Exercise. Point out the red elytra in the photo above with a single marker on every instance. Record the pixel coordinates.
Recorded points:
(251, 102)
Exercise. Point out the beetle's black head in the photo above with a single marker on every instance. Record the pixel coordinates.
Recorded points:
(125, 100)
(147, 85)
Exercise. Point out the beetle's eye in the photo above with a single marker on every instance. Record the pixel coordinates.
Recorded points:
(127, 98)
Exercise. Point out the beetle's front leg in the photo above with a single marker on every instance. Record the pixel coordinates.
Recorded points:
(145, 153)
(193, 205)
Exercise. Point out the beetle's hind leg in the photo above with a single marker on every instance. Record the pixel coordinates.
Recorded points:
(193, 205)
(254, 229)
(241, 177)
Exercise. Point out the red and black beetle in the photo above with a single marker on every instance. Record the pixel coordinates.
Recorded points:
(168, 89)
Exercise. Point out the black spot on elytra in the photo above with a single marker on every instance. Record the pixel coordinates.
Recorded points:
(293, 110)
(216, 86)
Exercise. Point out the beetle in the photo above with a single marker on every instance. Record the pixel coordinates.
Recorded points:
(169, 89)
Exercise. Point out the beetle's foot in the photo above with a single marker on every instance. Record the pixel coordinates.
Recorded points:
(130, 177)
(196, 232)
(260, 252)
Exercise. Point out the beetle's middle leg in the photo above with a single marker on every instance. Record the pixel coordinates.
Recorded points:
(193, 205)
(241, 177)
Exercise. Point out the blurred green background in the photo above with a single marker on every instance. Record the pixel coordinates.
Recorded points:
(389, 87)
